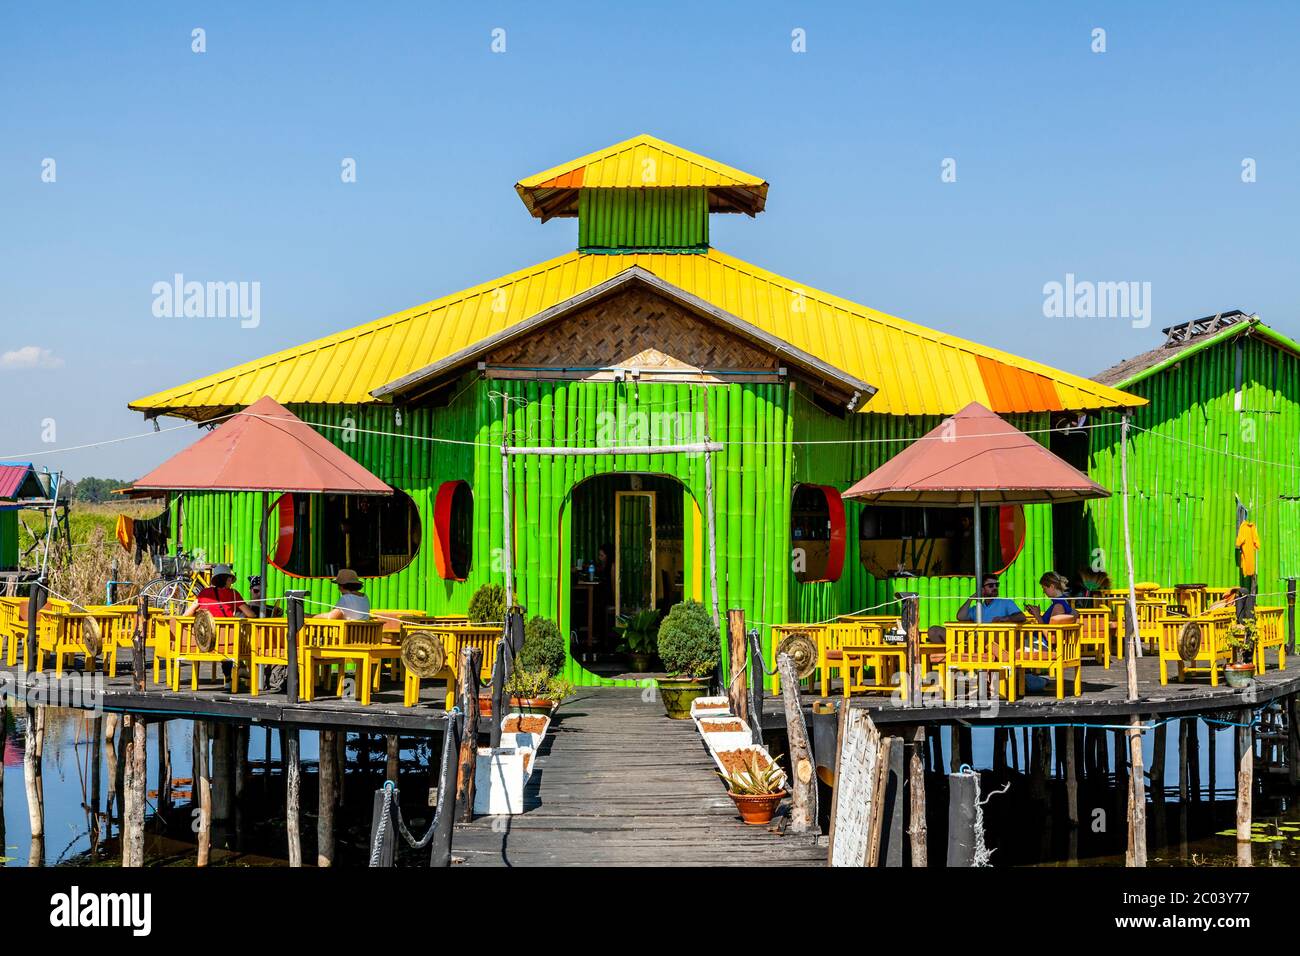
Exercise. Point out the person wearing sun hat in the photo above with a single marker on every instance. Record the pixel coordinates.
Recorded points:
(352, 605)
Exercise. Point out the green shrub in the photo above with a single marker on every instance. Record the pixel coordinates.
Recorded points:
(689, 641)
(488, 605)
(543, 646)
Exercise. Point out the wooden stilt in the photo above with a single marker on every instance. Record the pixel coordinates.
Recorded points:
(221, 773)
(33, 755)
(203, 791)
(1194, 756)
(738, 670)
(326, 784)
(917, 829)
(136, 785)
(392, 761)
(1071, 778)
(164, 767)
(1159, 746)
(342, 764)
(1245, 785)
(293, 793)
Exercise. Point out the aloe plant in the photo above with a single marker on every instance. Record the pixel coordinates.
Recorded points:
(756, 779)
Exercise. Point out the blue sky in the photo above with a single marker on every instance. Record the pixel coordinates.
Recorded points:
(1117, 166)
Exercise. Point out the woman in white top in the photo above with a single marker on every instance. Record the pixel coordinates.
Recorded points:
(352, 605)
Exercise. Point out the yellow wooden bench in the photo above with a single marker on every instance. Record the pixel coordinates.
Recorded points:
(13, 627)
(327, 643)
(455, 638)
(268, 646)
(980, 649)
(1269, 634)
(182, 649)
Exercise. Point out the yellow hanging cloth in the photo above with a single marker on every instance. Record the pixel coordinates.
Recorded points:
(1248, 542)
(126, 532)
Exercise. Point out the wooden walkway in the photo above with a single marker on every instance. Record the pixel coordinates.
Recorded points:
(618, 783)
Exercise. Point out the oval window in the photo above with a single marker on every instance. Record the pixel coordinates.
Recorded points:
(817, 533)
(374, 535)
(453, 530)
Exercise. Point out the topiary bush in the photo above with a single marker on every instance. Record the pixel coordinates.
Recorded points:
(689, 641)
(543, 646)
(488, 605)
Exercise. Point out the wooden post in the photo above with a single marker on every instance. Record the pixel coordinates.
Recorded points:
(1293, 741)
(325, 785)
(499, 696)
(1290, 615)
(962, 840)
(221, 776)
(35, 601)
(756, 687)
(138, 638)
(293, 790)
(737, 671)
(202, 789)
(33, 755)
(917, 828)
(294, 616)
(4, 742)
(136, 774)
(910, 615)
(1072, 776)
(803, 785)
(1160, 745)
(393, 758)
(1245, 784)
(444, 820)
(470, 660)
(1194, 757)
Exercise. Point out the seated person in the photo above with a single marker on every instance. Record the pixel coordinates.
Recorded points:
(1229, 599)
(256, 601)
(1058, 610)
(352, 605)
(220, 599)
(993, 609)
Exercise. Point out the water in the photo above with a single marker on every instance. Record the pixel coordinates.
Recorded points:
(83, 815)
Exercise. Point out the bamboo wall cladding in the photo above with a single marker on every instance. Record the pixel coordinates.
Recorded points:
(634, 328)
(1200, 448)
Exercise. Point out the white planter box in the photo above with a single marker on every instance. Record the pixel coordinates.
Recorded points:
(520, 738)
(700, 708)
(499, 779)
(724, 739)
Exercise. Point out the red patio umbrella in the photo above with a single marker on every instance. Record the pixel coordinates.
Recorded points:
(264, 448)
(972, 459)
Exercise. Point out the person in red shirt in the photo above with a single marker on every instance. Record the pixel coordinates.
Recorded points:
(220, 599)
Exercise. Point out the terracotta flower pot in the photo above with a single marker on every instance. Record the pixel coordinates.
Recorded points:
(532, 705)
(757, 809)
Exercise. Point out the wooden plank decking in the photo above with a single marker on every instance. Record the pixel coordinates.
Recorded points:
(618, 783)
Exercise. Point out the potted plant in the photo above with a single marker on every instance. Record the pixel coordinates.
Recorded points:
(688, 646)
(534, 685)
(1240, 640)
(756, 789)
(488, 605)
(639, 638)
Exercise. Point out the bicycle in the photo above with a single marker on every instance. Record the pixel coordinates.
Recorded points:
(180, 579)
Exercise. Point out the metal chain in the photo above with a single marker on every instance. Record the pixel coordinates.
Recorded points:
(383, 825)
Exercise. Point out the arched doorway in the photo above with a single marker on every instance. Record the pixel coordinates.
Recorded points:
(634, 547)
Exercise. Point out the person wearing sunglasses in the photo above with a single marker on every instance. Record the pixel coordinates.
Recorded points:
(993, 609)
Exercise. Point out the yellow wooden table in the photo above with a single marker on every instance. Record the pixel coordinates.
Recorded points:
(886, 659)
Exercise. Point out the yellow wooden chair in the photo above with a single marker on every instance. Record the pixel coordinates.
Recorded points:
(977, 649)
(268, 645)
(58, 633)
(1269, 635)
(183, 649)
(326, 644)
(455, 638)
(13, 627)
(1212, 653)
(1094, 633)
(1053, 648)
(116, 629)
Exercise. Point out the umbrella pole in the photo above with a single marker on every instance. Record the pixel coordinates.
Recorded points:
(979, 549)
(266, 515)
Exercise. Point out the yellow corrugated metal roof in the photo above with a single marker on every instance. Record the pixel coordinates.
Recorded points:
(642, 162)
(918, 371)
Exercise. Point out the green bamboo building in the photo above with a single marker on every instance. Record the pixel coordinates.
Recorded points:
(1215, 444)
(647, 337)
